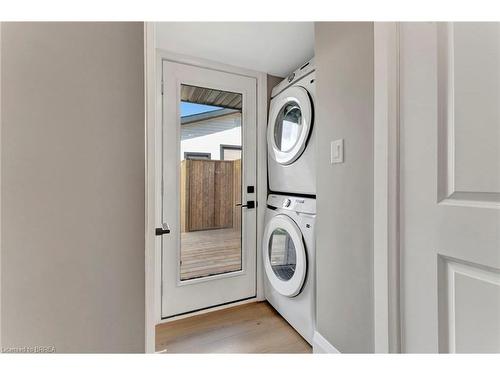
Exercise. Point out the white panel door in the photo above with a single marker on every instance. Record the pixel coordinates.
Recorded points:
(450, 187)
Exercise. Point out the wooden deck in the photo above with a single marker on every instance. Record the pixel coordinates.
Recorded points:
(210, 252)
(250, 328)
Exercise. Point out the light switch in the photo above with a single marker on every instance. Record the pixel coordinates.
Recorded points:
(337, 151)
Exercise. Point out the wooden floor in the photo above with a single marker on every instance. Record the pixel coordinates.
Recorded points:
(250, 328)
(210, 252)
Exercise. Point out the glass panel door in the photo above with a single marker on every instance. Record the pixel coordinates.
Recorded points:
(209, 121)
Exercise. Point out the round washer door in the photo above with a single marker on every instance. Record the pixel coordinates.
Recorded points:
(284, 255)
(289, 125)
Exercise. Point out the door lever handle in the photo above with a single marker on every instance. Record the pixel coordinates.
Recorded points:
(250, 204)
(163, 230)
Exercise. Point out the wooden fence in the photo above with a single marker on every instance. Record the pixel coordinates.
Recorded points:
(210, 190)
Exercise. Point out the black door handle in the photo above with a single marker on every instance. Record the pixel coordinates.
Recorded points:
(250, 204)
(163, 230)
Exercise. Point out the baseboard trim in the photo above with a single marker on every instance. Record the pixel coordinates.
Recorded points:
(322, 345)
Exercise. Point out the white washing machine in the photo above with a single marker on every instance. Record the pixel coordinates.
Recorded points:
(290, 134)
(288, 254)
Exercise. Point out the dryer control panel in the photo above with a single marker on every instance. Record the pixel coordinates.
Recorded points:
(304, 70)
(292, 203)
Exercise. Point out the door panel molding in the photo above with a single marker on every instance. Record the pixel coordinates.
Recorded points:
(448, 191)
(449, 269)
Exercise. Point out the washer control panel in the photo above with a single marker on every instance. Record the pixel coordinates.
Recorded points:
(298, 204)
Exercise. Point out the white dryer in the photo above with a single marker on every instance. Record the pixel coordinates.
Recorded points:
(290, 134)
(288, 254)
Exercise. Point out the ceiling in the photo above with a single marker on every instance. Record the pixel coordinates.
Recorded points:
(276, 48)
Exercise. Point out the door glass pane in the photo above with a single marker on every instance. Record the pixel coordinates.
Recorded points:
(288, 126)
(282, 254)
(210, 162)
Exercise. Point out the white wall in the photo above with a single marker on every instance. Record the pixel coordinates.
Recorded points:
(72, 172)
(344, 60)
(211, 142)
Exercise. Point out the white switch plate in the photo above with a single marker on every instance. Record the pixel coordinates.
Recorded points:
(337, 151)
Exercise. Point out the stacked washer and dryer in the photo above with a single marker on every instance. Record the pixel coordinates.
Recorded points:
(289, 240)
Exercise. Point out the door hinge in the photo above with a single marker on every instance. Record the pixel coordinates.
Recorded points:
(162, 87)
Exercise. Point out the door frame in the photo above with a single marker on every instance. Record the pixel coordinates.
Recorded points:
(153, 70)
(386, 214)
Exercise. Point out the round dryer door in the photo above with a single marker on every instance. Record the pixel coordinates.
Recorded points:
(289, 125)
(284, 256)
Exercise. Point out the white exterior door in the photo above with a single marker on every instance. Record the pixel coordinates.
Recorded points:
(209, 256)
(450, 187)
